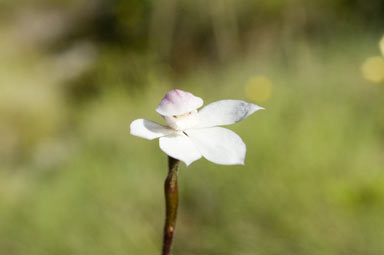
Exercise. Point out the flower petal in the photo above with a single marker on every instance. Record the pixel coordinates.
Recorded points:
(148, 129)
(178, 102)
(179, 146)
(225, 112)
(219, 145)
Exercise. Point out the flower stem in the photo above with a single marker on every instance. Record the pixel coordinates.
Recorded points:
(171, 204)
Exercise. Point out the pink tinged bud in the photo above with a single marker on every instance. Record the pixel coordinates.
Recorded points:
(178, 102)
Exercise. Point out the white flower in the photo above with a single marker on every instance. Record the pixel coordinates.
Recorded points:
(191, 134)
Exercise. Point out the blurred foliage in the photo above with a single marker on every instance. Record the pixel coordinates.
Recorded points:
(74, 74)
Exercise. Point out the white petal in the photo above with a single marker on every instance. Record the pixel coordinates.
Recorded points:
(219, 145)
(178, 102)
(148, 129)
(225, 112)
(179, 146)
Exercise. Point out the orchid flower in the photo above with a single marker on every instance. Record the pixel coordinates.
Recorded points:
(191, 134)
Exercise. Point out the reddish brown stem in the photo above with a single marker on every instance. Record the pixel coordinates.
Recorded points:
(171, 204)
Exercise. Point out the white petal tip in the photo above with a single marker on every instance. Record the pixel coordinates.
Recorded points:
(148, 129)
(229, 163)
(256, 107)
(187, 163)
(136, 128)
(241, 163)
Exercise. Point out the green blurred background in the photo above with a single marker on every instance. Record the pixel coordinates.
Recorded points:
(75, 73)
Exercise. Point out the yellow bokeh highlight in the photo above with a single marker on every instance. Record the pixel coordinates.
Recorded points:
(381, 44)
(258, 89)
(373, 69)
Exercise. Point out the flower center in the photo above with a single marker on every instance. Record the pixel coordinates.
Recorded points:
(184, 121)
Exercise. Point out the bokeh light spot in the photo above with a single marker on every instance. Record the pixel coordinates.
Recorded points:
(258, 89)
(381, 44)
(373, 69)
